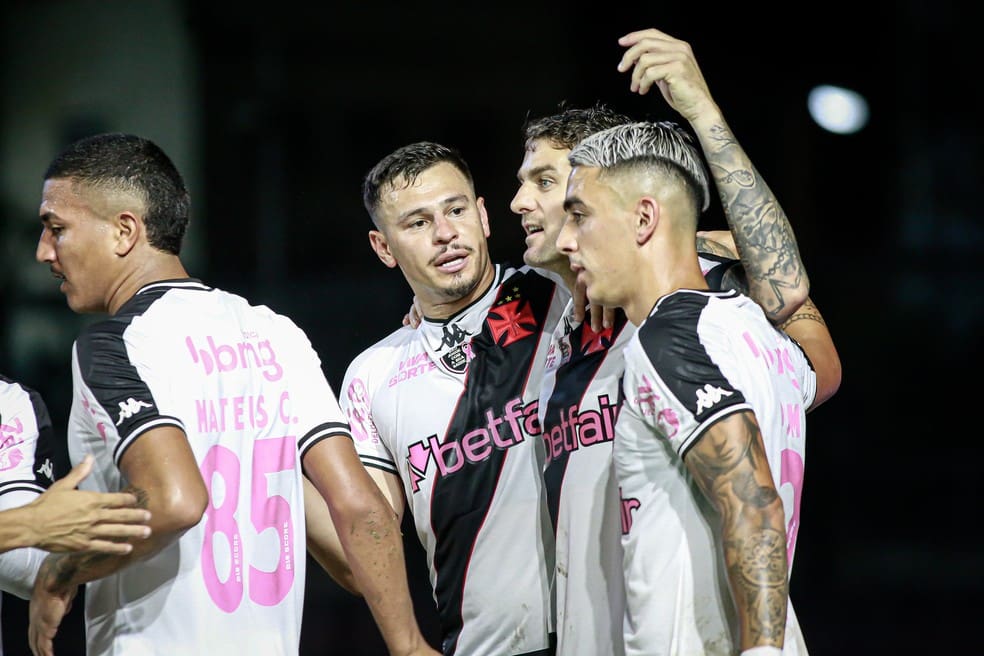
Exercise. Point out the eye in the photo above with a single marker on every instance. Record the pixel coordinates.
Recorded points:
(55, 230)
(417, 223)
(545, 183)
(456, 211)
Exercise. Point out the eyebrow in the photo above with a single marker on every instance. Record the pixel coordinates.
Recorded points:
(450, 200)
(571, 202)
(537, 171)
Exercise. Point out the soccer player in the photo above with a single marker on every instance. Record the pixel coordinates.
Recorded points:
(712, 428)
(580, 398)
(445, 415)
(206, 408)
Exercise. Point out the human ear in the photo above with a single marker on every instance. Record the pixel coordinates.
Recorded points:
(646, 219)
(377, 240)
(128, 228)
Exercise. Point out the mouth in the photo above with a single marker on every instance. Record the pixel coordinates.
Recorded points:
(57, 275)
(452, 261)
(531, 229)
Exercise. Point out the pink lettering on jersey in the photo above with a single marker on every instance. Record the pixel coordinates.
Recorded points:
(791, 473)
(222, 358)
(581, 428)
(777, 358)
(668, 422)
(646, 398)
(100, 426)
(413, 367)
(231, 413)
(791, 417)
(500, 432)
(10, 433)
(628, 505)
(360, 421)
(10, 457)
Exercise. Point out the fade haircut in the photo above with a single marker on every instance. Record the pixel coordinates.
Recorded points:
(663, 146)
(407, 163)
(571, 125)
(118, 162)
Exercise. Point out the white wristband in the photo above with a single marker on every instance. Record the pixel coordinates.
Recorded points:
(766, 650)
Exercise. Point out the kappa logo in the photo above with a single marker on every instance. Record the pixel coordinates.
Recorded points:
(131, 407)
(47, 470)
(453, 335)
(709, 396)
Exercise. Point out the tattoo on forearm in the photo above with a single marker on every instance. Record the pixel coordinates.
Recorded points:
(705, 245)
(807, 312)
(759, 571)
(724, 463)
(762, 232)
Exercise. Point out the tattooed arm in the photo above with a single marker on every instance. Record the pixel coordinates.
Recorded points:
(765, 239)
(729, 465)
(806, 326)
(165, 478)
(809, 329)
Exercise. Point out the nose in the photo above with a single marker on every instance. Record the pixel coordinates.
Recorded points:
(566, 242)
(522, 202)
(45, 251)
(444, 230)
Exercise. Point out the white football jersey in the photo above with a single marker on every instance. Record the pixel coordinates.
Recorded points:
(578, 411)
(700, 356)
(247, 389)
(451, 408)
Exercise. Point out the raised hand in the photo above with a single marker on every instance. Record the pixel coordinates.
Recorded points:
(655, 57)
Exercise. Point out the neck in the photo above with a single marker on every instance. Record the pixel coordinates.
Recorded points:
(160, 266)
(667, 270)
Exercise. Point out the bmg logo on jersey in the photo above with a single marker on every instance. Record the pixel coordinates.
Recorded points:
(242, 355)
(507, 430)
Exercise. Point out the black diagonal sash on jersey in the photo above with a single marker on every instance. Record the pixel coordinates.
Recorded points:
(572, 382)
(498, 373)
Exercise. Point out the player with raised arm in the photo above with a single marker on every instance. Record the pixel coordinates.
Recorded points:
(711, 436)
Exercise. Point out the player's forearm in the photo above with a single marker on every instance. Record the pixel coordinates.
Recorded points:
(765, 240)
(810, 331)
(755, 559)
(729, 465)
(65, 571)
(374, 548)
(172, 515)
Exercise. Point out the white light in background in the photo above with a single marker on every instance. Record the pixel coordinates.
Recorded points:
(837, 109)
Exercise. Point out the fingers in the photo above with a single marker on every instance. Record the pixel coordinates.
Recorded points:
(597, 318)
(123, 522)
(580, 302)
(122, 500)
(40, 639)
(110, 547)
(608, 317)
(639, 43)
(406, 319)
(78, 473)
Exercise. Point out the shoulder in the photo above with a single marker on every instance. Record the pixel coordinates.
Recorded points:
(386, 351)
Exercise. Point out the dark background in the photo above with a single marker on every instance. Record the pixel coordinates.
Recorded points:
(292, 103)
